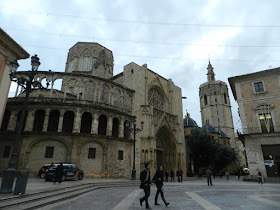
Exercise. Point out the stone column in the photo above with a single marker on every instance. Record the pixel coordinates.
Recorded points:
(94, 125)
(46, 120)
(77, 122)
(12, 121)
(16, 93)
(121, 134)
(51, 89)
(83, 92)
(109, 126)
(99, 90)
(111, 97)
(29, 120)
(60, 122)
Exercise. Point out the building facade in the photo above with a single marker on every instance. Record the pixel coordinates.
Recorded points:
(89, 120)
(9, 51)
(258, 98)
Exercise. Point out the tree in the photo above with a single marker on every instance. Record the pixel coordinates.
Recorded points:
(208, 152)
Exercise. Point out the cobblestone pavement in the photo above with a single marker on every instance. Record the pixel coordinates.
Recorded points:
(232, 194)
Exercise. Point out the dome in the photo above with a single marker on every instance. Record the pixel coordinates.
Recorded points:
(223, 134)
(209, 128)
(189, 122)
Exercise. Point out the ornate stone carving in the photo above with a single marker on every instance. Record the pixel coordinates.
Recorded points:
(101, 59)
(155, 98)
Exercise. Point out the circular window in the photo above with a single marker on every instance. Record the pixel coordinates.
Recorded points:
(155, 98)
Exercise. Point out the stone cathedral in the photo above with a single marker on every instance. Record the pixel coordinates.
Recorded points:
(88, 120)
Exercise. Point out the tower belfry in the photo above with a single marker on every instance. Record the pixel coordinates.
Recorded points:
(210, 74)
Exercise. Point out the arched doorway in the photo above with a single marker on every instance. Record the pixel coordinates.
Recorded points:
(166, 149)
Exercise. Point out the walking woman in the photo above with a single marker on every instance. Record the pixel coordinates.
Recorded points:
(158, 178)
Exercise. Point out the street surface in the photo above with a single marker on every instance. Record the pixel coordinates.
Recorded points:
(232, 194)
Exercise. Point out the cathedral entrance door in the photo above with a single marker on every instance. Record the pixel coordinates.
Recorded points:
(159, 158)
(166, 149)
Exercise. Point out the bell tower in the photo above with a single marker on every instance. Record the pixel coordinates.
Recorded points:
(215, 105)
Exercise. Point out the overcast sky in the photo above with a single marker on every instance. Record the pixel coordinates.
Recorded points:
(175, 38)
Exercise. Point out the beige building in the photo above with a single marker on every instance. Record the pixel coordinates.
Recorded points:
(258, 98)
(87, 121)
(9, 51)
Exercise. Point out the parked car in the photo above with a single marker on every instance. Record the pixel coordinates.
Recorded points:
(42, 170)
(71, 171)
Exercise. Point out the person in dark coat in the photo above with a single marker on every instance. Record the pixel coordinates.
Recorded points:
(158, 178)
(59, 173)
(208, 175)
(172, 175)
(178, 174)
(166, 176)
(145, 184)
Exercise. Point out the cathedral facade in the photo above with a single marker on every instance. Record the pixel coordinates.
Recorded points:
(89, 120)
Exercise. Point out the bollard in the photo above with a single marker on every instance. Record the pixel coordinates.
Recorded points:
(22, 177)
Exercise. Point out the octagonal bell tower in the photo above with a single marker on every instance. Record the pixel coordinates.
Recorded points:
(215, 105)
(90, 58)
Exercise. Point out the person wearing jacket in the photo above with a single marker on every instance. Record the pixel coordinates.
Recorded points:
(158, 179)
(145, 184)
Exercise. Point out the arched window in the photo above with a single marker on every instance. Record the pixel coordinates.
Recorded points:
(126, 129)
(205, 100)
(39, 120)
(68, 122)
(102, 125)
(86, 122)
(225, 97)
(53, 121)
(115, 129)
(18, 119)
(5, 121)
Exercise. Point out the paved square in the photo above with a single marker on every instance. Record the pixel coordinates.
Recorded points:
(196, 194)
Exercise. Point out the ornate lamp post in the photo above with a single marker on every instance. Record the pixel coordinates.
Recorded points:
(134, 130)
(27, 82)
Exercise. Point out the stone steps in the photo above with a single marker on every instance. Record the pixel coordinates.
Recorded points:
(42, 199)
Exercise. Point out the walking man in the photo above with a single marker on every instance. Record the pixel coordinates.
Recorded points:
(158, 178)
(260, 179)
(181, 175)
(178, 174)
(145, 184)
(172, 175)
(59, 172)
(166, 176)
(227, 174)
(208, 175)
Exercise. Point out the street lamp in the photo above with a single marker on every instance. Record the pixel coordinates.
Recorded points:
(27, 82)
(134, 130)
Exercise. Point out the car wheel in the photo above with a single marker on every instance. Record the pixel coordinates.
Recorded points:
(81, 177)
(63, 178)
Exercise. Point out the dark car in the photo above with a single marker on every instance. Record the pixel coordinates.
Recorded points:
(42, 170)
(70, 172)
